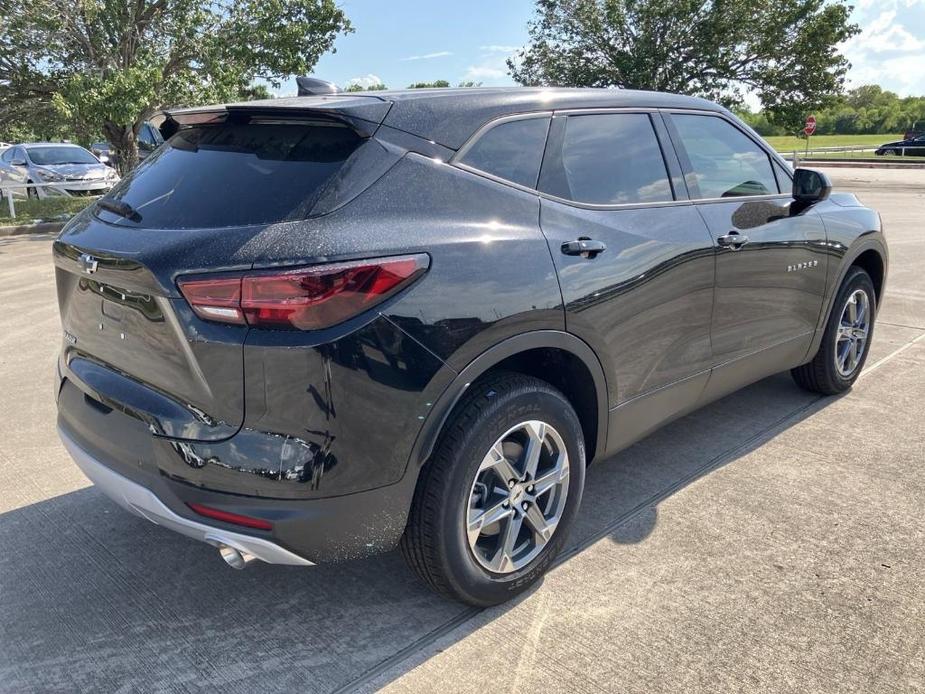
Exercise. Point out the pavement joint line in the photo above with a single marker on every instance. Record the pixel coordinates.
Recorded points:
(902, 325)
(891, 355)
(714, 463)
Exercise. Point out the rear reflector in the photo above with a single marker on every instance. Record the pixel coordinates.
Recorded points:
(237, 519)
(304, 299)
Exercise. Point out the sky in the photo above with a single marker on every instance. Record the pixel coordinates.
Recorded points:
(398, 42)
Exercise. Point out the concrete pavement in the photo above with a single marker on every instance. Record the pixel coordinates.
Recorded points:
(783, 554)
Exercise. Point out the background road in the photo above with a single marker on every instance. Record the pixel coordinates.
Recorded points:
(782, 553)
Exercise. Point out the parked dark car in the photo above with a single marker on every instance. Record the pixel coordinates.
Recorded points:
(103, 152)
(912, 147)
(149, 139)
(356, 321)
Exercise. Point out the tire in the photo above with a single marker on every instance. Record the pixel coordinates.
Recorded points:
(455, 487)
(32, 193)
(824, 374)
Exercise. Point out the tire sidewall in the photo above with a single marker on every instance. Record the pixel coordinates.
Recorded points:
(464, 572)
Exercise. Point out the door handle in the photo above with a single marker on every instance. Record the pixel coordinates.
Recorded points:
(583, 246)
(733, 240)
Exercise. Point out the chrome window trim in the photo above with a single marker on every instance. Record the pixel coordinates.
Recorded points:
(678, 201)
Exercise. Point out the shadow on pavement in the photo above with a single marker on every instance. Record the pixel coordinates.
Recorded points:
(93, 599)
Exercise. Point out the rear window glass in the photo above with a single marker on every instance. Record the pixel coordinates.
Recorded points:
(233, 175)
(608, 159)
(512, 151)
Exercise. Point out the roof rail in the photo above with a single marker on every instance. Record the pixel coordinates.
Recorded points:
(312, 86)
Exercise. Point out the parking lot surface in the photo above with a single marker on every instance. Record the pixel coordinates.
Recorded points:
(772, 541)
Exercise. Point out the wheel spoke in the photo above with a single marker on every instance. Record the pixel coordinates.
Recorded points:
(500, 464)
(861, 315)
(852, 310)
(542, 528)
(537, 436)
(486, 517)
(504, 557)
(551, 478)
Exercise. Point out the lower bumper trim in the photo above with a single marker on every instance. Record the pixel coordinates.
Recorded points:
(143, 502)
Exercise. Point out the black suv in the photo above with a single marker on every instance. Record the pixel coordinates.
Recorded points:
(311, 329)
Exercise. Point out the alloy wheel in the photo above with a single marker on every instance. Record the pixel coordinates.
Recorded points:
(518, 497)
(853, 331)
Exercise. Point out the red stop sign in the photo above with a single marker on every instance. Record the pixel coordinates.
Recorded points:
(810, 125)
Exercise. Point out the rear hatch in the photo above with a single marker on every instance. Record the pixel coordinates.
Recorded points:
(199, 204)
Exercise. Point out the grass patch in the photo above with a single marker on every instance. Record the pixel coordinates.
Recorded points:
(28, 211)
(786, 143)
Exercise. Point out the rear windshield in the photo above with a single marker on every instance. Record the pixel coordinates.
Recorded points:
(232, 175)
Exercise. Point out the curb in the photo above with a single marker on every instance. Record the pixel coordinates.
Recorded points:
(40, 228)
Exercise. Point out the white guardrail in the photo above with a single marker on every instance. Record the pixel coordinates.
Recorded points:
(6, 188)
(847, 150)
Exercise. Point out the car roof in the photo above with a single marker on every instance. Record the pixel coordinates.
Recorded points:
(450, 116)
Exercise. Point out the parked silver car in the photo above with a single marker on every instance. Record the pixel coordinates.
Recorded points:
(77, 170)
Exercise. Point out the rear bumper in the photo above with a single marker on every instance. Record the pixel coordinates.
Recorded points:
(147, 475)
(142, 502)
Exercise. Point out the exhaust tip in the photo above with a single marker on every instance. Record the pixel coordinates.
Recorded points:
(235, 558)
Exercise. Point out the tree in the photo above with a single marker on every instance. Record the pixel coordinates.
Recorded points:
(783, 51)
(377, 87)
(438, 84)
(108, 65)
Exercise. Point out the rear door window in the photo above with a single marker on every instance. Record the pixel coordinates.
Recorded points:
(607, 159)
(233, 175)
(512, 150)
(723, 161)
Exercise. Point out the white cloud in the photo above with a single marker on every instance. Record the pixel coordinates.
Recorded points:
(885, 34)
(496, 48)
(890, 50)
(428, 56)
(366, 81)
(480, 73)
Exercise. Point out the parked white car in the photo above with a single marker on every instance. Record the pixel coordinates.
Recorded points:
(73, 169)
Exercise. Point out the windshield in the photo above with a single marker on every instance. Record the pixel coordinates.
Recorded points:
(45, 156)
(233, 175)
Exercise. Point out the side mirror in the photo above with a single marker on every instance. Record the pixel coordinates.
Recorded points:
(18, 162)
(810, 185)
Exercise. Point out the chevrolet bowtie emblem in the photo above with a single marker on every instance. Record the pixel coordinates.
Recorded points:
(88, 263)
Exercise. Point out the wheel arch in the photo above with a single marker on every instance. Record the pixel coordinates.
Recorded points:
(873, 263)
(869, 253)
(533, 353)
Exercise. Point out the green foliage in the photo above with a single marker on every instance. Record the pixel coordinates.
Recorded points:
(865, 110)
(378, 87)
(441, 84)
(107, 65)
(783, 51)
(52, 207)
(429, 85)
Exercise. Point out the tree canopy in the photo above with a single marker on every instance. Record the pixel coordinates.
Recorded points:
(784, 51)
(107, 65)
(866, 110)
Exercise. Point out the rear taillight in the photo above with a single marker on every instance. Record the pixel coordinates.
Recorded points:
(306, 298)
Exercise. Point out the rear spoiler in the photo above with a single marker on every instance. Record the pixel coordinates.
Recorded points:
(363, 113)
